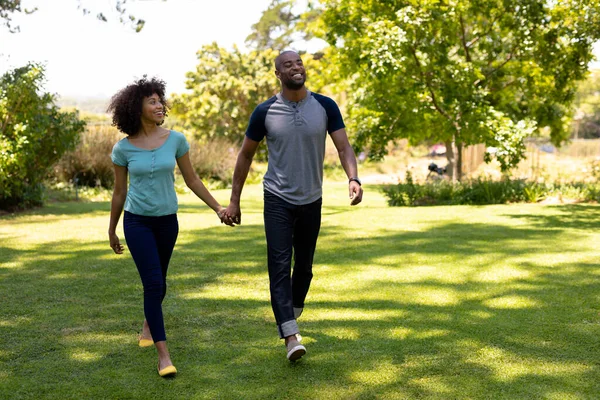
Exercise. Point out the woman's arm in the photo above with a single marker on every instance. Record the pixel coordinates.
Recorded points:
(116, 207)
(195, 184)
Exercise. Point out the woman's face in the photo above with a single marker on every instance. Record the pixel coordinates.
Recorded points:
(153, 110)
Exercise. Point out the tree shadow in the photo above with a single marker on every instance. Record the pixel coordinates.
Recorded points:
(577, 216)
(70, 318)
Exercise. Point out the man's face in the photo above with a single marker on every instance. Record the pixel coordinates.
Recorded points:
(291, 71)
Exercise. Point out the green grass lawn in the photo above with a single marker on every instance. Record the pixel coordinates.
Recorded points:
(494, 302)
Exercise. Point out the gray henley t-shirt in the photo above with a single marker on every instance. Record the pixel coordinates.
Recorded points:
(296, 134)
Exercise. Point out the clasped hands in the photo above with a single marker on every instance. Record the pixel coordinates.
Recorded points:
(231, 215)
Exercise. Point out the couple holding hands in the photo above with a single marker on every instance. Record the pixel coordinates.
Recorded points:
(295, 123)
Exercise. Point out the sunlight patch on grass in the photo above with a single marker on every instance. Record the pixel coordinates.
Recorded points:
(55, 256)
(14, 322)
(343, 333)
(85, 356)
(430, 296)
(385, 372)
(228, 292)
(62, 275)
(481, 314)
(508, 367)
(434, 384)
(11, 265)
(185, 276)
(431, 333)
(400, 333)
(402, 272)
(560, 395)
(501, 274)
(92, 337)
(354, 314)
(511, 302)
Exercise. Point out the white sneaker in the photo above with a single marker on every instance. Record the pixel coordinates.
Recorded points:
(295, 350)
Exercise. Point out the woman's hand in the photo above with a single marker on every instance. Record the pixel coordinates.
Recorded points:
(225, 219)
(115, 244)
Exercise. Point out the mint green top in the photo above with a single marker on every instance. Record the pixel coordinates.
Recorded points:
(151, 174)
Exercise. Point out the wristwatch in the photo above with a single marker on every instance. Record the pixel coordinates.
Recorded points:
(355, 180)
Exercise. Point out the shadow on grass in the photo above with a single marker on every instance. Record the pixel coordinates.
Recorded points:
(70, 320)
(577, 216)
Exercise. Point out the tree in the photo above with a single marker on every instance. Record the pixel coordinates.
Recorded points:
(226, 87)
(587, 103)
(275, 28)
(34, 134)
(10, 7)
(282, 24)
(7, 9)
(224, 90)
(461, 71)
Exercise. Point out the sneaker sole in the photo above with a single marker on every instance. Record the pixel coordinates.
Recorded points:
(296, 353)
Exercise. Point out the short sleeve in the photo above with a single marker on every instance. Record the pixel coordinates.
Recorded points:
(334, 116)
(118, 156)
(256, 127)
(182, 146)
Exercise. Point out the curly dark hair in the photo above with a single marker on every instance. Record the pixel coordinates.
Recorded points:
(126, 105)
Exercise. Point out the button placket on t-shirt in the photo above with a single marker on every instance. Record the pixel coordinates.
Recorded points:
(152, 165)
(297, 116)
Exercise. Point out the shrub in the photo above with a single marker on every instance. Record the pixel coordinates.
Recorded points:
(90, 162)
(214, 159)
(34, 134)
(486, 191)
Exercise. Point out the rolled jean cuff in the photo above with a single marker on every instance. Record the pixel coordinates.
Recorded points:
(288, 328)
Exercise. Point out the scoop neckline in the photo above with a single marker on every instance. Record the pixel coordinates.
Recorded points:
(154, 149)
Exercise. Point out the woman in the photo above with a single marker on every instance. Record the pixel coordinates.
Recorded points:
(149, 154)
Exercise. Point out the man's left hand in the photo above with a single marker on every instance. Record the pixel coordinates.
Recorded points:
(356, 193)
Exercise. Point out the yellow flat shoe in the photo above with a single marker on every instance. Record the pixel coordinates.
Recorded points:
(145, 343)
(167, 371)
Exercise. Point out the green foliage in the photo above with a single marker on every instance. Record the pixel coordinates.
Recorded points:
(226, 87)
(587, 103)
(275, 28)
(467, 71)
(33, 135)
(282, 24)
(486, 191)
(7, 9)
(223, 91)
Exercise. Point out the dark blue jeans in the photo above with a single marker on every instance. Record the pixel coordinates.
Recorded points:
(290, 230)
(151, 241)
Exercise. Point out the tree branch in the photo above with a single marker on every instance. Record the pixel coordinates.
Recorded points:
(484, 34)
(464, 39)
(492, 72)
(428, 83)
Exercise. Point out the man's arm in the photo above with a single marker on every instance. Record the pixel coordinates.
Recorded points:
(240, 173)
(348, 160)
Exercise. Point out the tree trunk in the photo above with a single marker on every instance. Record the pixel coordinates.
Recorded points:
(459, 161)
(450, 157)
(454, 157)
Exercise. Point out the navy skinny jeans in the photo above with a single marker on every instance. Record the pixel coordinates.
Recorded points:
(290, 230)
(151, 241)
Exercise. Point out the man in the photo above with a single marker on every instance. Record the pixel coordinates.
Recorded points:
(295, 123)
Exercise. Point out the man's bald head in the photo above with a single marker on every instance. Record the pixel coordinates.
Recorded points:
(284, 55)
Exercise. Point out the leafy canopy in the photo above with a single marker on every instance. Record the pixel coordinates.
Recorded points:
(34, 134)
(462, 71)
